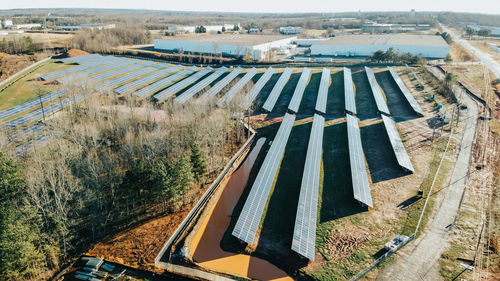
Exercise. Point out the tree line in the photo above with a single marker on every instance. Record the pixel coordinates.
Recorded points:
(392, 56)
(107, 164)
(104, 40)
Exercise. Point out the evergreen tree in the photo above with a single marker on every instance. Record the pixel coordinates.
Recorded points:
(173, 179)
(199, 163)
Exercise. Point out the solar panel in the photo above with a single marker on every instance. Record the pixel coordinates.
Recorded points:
(249, 219)
(359, 174)
(32, 103)
(160, 84)
(88, 72)
(129, 76)
(172, 90)
(79, 59)
(118, 71)
(299, 90)
(71, 69)
(250, 97)
(237, 87)
(411, 100)
(223, 83)
(397, 144)
(304, 232)
(278, 87)
(323, 91)
(40, 112)
(146, 80)
(350, 103)
(189, 93)
(377, 93)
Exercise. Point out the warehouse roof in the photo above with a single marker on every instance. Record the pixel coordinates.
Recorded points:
(387, 39)
(231, 39)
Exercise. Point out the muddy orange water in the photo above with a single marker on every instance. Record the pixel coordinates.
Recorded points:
(205, 247)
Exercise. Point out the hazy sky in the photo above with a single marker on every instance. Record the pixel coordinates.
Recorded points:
(481, 6)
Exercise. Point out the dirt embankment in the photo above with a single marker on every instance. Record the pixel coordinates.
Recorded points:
(11, 64)
(76, 53)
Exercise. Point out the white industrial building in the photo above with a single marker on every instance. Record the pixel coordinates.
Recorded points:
(428, 46)
(290, 30)
(254, 46)
(28, 26)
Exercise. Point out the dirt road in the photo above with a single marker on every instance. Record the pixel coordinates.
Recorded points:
(420, 260)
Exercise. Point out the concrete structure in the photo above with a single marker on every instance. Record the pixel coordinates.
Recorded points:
(290, 30)
(254, 46)
(428, 46)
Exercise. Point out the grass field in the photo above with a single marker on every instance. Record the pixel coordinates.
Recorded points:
(28, 88)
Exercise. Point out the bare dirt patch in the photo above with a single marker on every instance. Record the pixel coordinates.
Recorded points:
(76, 53)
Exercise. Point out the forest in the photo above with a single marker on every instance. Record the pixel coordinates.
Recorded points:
(108, 163)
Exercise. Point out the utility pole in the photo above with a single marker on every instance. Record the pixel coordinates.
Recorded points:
(41, 103)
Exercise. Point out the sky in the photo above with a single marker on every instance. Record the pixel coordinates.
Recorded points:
(289, 6)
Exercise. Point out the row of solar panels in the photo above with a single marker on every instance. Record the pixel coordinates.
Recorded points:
(304, 235)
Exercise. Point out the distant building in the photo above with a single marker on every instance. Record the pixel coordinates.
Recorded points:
(373, 27)
(176, 29)
(28, 26)
(253, 30)
(290, 30)
(494, 30)
(233, 45)
(428, 46)
(90, 26)
(7, 24)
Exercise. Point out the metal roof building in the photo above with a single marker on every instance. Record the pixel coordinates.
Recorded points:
(429, 46)
(255, 46)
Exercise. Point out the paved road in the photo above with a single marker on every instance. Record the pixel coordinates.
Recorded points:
(485, 58)
(422, 261)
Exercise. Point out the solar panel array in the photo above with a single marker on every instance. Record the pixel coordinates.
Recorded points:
(70, 70)
(223, 83)
(359, 174)
(237, 87)
(278, 87)
(350, 103)
(299, 90)
(172, 90)
(249, 219)
(129, 76)
(32, 103)
(323, 91)
(189, 93)
(411, 100)
(146, 80)
(250, 97)
(81, 59)
(377, 93)
(40, 112)
(397, 144)
(88, 72)
(304, 232)
(158, 85)
(118, 71)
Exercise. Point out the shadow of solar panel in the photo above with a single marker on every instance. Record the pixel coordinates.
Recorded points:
(409, 97)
